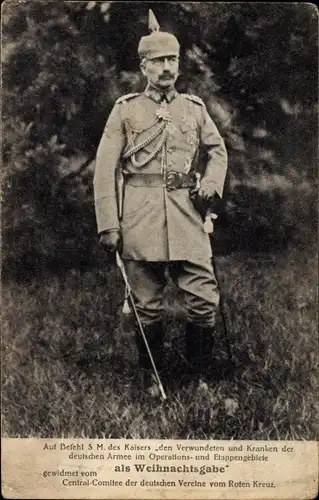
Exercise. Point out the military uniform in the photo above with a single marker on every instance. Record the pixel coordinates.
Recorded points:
(154, 141)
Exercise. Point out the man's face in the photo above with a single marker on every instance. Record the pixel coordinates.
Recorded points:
(161, 72)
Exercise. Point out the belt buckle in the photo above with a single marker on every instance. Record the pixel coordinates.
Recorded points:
(173, 180)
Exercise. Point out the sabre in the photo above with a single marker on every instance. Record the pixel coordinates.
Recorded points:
(120, 264)
(209, 219)
(209, 229)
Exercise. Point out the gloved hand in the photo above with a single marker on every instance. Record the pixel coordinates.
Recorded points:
(204, 198)
(111, 241)
(207, 191)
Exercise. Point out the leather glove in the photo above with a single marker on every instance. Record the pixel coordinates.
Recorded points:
(111, 241)
(207, 191)
(204, 197)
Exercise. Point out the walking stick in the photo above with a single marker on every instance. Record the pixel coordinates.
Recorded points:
(209, 228)
(120, 264)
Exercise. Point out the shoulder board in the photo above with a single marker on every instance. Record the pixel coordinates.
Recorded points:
(126, 97)
(194, 98)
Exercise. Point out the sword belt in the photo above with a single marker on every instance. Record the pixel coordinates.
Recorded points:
(171, 180)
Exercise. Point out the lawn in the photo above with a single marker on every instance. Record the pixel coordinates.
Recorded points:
(69, 361)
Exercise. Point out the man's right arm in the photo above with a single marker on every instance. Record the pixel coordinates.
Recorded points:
(107, 159)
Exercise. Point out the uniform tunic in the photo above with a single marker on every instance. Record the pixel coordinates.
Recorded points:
(156, 224)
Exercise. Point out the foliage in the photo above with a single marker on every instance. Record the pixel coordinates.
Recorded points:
(64, 63)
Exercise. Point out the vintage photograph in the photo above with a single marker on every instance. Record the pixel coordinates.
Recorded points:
(159, 220)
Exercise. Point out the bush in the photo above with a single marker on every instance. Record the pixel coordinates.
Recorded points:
(272, 220)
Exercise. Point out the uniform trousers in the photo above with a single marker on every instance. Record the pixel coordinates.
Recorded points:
(196, 280)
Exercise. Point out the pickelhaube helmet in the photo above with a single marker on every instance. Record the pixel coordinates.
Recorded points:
(158, 43)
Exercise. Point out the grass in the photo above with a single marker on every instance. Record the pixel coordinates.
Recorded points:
(69, 364)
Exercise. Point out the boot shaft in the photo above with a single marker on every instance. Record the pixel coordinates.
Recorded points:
(154, 334)
(199, 348)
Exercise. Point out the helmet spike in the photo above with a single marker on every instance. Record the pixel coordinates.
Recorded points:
(152, 22)
(157, 43)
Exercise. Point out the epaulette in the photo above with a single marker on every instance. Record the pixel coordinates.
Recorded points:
(126, 97)
(194, 98)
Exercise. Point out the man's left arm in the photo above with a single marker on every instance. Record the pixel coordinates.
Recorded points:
(214, 177)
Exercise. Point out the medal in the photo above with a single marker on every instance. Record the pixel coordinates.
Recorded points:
(192, 139)
(163, 114)
(170, 127)
(188, 122)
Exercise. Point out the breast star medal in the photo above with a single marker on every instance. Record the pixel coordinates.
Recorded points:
(163, 114)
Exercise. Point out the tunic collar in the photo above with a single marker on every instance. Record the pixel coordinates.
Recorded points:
(158, 96)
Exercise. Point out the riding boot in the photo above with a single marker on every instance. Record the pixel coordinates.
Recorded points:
(199, 348)
(154, 334)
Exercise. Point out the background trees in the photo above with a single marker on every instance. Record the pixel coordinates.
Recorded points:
(64, 63)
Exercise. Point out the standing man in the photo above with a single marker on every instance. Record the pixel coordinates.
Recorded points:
(153, 139)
